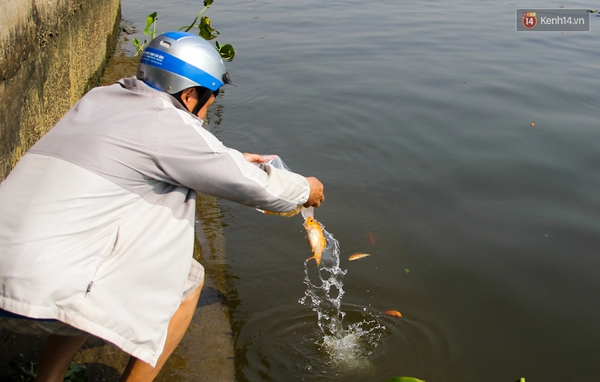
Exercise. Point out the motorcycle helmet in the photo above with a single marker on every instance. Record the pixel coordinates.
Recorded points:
(175, 61)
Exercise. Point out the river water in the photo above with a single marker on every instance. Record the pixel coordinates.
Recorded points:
(460, 154)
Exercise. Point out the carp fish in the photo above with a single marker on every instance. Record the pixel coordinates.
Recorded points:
(393, 313)
(358, 256)
(316, 238)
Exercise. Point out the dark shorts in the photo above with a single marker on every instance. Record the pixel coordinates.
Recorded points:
(26, 325)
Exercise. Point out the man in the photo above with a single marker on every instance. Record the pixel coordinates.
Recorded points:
(96, 220)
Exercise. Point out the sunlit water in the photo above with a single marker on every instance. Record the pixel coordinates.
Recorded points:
(483, 230)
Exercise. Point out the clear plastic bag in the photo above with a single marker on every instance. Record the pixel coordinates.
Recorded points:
(275, 161)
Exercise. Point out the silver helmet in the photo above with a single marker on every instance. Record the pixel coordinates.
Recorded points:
(175, 61)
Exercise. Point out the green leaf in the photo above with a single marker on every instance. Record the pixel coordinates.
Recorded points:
(139, 46)
(150, 19)
(227, 52)
(76, 373)
(193, 24)
(206, 31)
(27, 374)
(205, 23)
(406, 270)
(405, 379)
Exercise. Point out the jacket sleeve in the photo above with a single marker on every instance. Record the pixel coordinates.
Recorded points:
(193, 157)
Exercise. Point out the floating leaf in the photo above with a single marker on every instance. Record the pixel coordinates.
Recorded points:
(357, 256)
(406, 270)
(405, 379)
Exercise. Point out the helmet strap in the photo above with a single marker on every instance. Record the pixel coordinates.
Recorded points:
(203, 96)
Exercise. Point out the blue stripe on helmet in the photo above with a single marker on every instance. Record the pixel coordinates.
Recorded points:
(170, 63)
(178, 35)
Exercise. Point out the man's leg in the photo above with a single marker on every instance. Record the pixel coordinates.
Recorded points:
(57, 357)
(139, 371)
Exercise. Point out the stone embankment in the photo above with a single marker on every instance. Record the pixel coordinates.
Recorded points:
(51, 53)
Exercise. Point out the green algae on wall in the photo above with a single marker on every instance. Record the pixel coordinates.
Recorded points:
(51, 53)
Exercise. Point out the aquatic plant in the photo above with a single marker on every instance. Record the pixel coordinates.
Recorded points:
(26, 371)
(411, 379)
(205, 30)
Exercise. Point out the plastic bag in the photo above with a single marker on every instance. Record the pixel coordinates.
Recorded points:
(275, 161)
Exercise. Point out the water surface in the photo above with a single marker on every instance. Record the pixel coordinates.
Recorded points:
(450, 146)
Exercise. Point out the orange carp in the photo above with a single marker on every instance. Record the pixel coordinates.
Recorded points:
(358, 256)
(316, 238)
(393, 313)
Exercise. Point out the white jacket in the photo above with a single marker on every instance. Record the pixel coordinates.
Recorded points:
(96, 220)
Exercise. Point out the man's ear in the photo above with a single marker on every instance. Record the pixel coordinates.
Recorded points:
(186, 95)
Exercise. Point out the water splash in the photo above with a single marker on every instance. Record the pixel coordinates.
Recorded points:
(325, 295)
(345, 346)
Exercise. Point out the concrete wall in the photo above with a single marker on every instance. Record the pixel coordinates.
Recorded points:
(51, 53)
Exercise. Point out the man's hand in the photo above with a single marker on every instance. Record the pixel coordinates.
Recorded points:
(254, 158)
(316, 196)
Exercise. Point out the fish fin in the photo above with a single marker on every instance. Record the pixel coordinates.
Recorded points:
(315, 258)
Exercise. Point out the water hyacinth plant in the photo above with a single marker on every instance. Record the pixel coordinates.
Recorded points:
(205, 30)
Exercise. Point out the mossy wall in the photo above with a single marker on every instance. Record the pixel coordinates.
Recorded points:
(51, 53)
